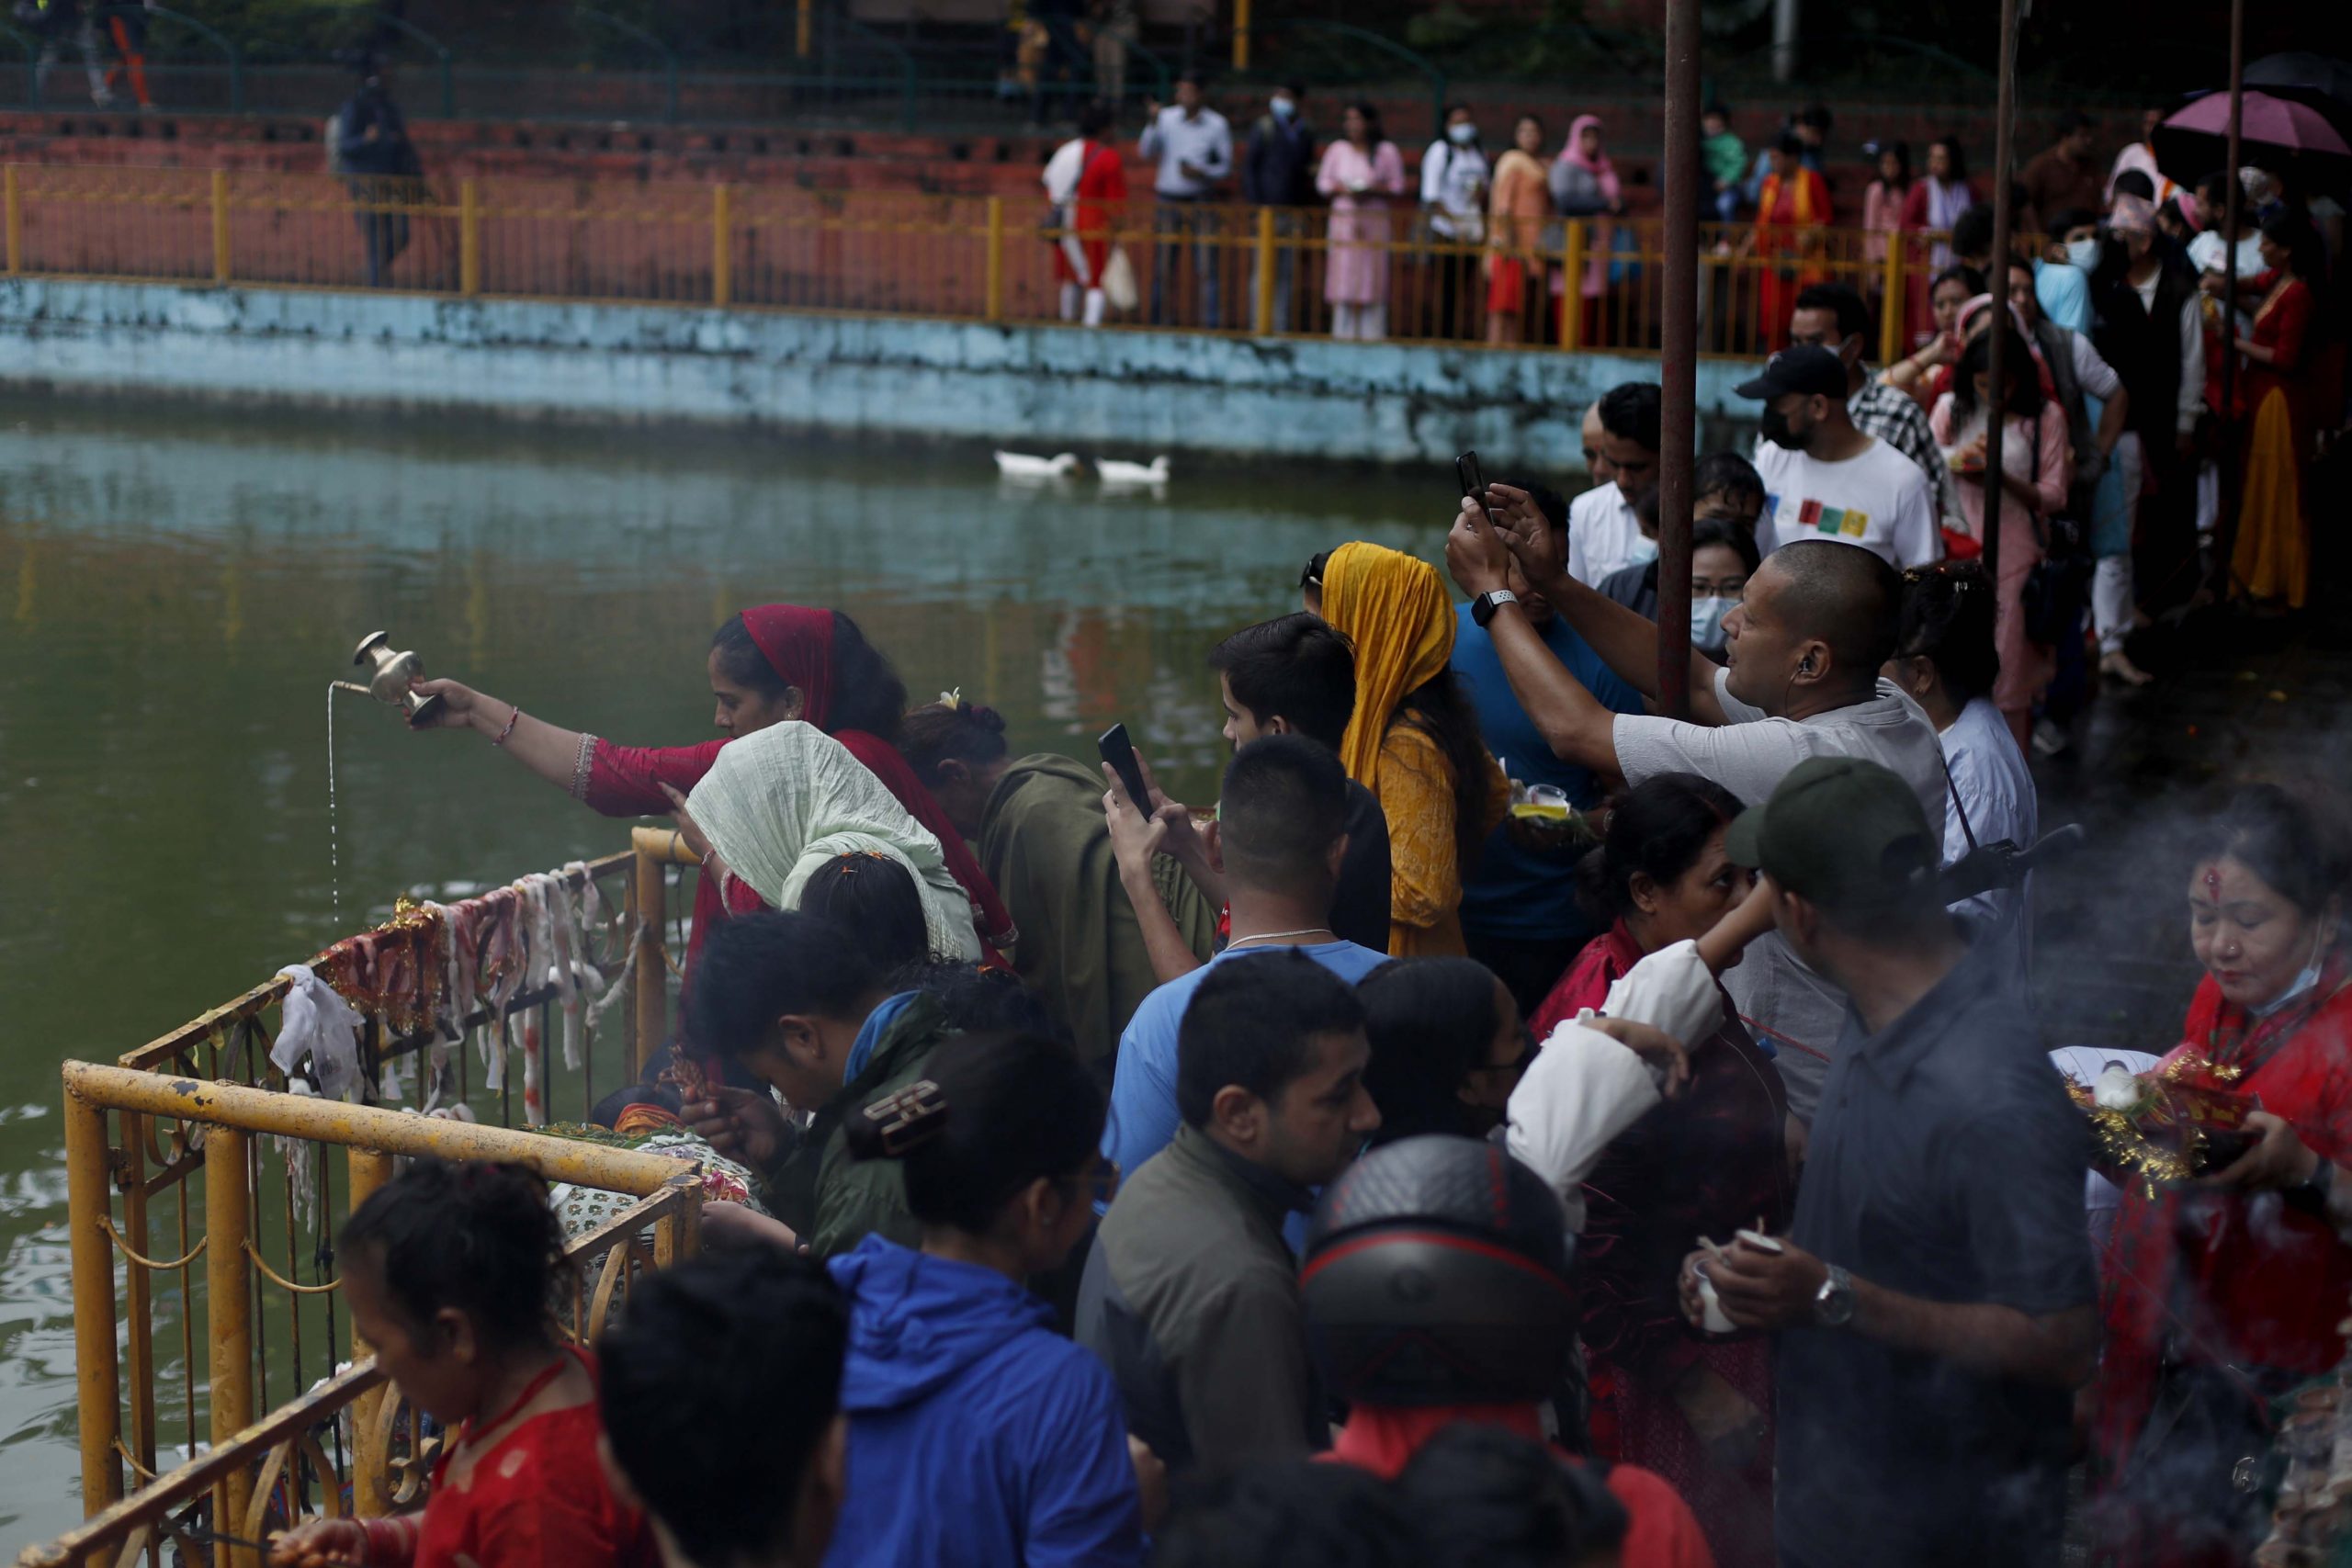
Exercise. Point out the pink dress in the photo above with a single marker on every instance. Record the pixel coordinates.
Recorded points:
(2025, 667)
(1357, 272)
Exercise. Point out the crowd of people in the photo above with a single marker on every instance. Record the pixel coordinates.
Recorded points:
(1510, 1125)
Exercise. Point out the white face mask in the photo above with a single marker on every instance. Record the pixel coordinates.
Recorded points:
(2083, 254)
(2301, 984)
(1285, 109)
(1707, 622)
(1461, 135)
(1644, 552)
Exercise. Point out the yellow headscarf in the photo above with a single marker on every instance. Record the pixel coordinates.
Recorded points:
(1393, 608)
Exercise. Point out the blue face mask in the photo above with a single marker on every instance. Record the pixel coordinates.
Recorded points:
(1285, 109)
(1707, 622)
(2301, 984)
(2083, 253)
(1644, 552)
(1463, 134)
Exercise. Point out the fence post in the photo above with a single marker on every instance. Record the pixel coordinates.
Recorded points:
(649, 898)
(995, 296)
(1241, 35)
(229, 1317)
(1891, 315)
(804, 28)
(87, 1204)
(1262, 308)
(369, 1170)
(722, 219)
(220, 225)
(16, 220)
(469, 238)
(1572, 290)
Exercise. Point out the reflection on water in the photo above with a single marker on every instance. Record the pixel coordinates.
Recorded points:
(176, 585)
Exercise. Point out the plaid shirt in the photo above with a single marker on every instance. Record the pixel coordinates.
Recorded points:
(1894, 418)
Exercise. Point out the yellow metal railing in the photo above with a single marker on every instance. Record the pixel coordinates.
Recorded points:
(1585, 284)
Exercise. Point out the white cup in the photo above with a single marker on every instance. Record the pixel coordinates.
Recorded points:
(1716, 1320)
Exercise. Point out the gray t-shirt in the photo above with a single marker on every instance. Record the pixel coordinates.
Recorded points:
(1794, 1010)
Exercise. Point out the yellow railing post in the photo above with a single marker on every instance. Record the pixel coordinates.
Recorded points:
(804, 28)
(16, 220)
(469, 238)
(1572, 289)
(649, 898)
(138, 1286)
(220, 225)
(722, 221)
(369, 1170)
(1261, 308)
(87, 1205)
(1890, 312)
(1241, 35)
(228, 1313)
(995, 295)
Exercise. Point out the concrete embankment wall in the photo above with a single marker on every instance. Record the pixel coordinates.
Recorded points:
(1035, 388)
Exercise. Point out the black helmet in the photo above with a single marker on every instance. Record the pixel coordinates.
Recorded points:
(1437, 1273)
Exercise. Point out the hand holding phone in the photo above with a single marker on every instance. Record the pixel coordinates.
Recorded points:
(1474, 482)
(1120, 753)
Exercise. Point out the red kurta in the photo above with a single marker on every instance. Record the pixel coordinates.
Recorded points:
(1101, 188)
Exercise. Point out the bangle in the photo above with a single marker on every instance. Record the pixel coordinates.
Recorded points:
(514, 716)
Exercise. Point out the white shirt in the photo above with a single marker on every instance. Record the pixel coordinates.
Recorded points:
(1604, 536)
(2092, 372)
(1800, 1014)
(2190, 402)
(1206, 142)
(1878, 499)
(1990, 777)
(1451, 176)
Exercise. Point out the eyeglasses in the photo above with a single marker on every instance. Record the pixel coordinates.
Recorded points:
(1721, 588)
(1519, 1063)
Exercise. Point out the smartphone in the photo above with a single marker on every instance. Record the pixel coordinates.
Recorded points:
(1473, 482)
(1120, 753)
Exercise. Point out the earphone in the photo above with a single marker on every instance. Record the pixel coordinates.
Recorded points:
(1804, 665)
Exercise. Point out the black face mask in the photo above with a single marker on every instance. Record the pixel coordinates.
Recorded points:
(1777, 430)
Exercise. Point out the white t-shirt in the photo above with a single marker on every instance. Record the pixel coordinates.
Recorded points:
(1795, 1009)
(1878, 499)
(1604, 536)
(1989, 774)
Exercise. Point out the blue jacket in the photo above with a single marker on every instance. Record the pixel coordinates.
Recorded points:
(978, 1437)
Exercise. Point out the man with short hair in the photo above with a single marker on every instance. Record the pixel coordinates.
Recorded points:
(1282, 827)
(1803, 646)
(2065, 174)
(1603, 533)
(1596, 461)
(1278, 171)
(1193, 146)
(1191, 1293)
(1935, 1298)
(1832, 316)
(738, 1458)
(1824, 479)
(1520, 917)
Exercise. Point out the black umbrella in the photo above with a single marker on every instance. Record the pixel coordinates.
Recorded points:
(2304, 76)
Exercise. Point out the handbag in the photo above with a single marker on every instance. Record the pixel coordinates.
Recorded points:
(2060, 582)
(1119, 280)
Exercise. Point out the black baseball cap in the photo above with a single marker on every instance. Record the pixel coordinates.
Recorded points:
(1843, 832)
(1808, 368)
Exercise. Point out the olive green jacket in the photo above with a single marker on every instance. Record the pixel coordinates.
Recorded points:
(831, 1200)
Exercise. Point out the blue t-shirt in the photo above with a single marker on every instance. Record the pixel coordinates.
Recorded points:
(1143, 1089)
(1512, 892)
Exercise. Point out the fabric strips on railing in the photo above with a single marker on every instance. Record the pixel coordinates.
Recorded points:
(317, 1025)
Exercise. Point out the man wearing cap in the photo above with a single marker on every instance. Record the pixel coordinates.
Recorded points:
(1823, 477)
(1805, 646)
(1935, 1298)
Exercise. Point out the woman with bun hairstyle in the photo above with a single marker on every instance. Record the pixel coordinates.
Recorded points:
(448, 1270)
(978, 1436)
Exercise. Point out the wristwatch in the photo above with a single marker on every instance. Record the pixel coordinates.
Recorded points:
(1833, 1304)
(2311, 1193)
(1483, 608)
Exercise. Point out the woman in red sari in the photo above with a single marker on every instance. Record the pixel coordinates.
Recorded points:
(1696, 1410)
(1792, 210)
(1086, 206)
(2224, 1293)
(448, 1270)
(769, 664)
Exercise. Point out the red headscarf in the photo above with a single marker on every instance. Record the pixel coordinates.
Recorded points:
(798, 644)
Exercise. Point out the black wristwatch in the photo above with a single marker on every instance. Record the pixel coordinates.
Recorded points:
(2311, 1194)
(1483, 608)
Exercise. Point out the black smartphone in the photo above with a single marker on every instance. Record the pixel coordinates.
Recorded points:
(1473, 482)
(1120, 753)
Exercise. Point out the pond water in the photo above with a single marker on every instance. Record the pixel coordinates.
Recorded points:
(178, 582)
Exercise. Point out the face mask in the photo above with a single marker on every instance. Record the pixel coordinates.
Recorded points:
(1644, 552)
(2302, 982)
(1461, 135)
(2083, 254)
(1707, 622)
(1778, 431)
(1285, 109)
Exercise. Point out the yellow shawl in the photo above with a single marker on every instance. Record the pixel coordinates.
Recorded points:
(1394, 610)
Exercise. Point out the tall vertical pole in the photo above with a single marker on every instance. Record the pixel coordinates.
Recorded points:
(2225, 532)
(88, 1204)
(370, 1496)
(1679, 357)
(229, 1311)
(1995, 415)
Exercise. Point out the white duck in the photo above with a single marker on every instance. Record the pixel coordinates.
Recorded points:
(1021, 466)
(1115, 473)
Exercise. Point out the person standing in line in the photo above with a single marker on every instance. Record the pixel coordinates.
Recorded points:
(1278, 171)
(1884, 199)
(1922, 374)
(1589, 433)
(1193, 147)
(1824, 479)
(1933, 1319)
(1725, 157)
(1791, 208)
(1832, 316)
(54, 22)
(1935, 203)
(373, 152)
(127, 26)
(1454, 177)
(1087, 182)
(1583, 185)
(2271, 564)
(1359, 172)
(1604, 532)
(2064, 176)
(2142, 155)
(1516, 266)
(1723, 558)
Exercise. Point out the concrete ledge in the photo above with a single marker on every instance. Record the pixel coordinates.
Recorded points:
(1037, 387)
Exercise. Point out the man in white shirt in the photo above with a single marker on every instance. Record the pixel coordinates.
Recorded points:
(1824, 478)
(1193, 146)
(1454, 194)
(1604, 535)
(1805, 645)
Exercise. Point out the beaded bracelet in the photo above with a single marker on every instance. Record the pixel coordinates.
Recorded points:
(514, 716)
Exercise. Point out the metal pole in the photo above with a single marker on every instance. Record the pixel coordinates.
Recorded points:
(1678, 357)
(229, 1314)
(2004, 158)
(369, 1498)
(1784, 40)
(87, 1204)
(2226, 529)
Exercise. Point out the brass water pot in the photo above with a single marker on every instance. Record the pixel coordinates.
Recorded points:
(389, 681)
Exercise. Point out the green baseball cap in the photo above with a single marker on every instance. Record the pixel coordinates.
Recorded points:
(1845, 832)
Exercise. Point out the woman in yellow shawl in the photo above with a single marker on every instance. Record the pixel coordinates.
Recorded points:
(1413, 740)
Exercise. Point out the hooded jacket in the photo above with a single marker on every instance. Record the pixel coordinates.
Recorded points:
(978, 1437)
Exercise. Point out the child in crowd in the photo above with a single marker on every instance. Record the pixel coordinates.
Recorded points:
(1725, 158)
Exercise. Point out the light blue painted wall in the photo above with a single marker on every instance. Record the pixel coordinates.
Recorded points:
(1037, 387)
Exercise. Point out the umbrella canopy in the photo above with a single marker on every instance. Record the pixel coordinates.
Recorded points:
(2272, 121)
(2317, 74)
